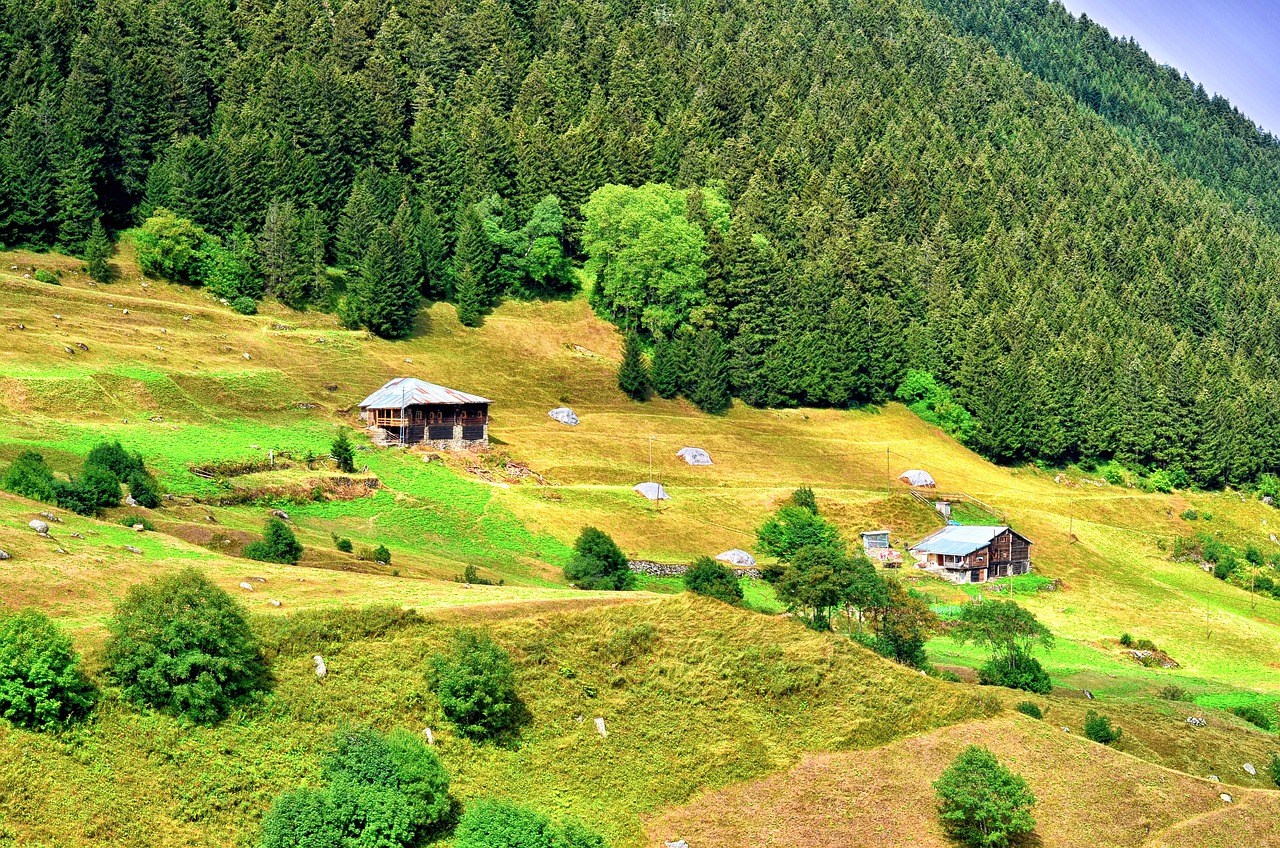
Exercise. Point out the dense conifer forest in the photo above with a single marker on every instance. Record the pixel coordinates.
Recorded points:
(866, 192)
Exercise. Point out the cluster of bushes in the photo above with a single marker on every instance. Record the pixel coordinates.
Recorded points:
(96, 488)
(1255, 715)
(817, 578)
(384, 790)
(932, 401)
(471, 576)
(1010, 632)
(179, 250)
(1029, 708)
(1164, 480)
(1241, 569)
(713, 579)
(499, 824)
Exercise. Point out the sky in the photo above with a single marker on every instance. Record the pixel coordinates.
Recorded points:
(1228, 46)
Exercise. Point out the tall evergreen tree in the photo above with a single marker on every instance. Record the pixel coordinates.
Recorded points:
(633, 374)
(97, 253)
(664, 373)
(709, 377)
(283, 269)
(468, 297)
(388, 297)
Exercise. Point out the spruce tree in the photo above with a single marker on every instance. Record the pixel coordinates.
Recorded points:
(474, 251)
(664, 373)
(283, 269)
(633, 374)
(390, 298)
(77, 203)
(709, 377)
(97, 252)
(468, 298)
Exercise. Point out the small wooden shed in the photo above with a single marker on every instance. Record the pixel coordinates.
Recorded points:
(410, 411)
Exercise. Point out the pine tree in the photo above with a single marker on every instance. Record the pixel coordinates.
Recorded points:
(475, 254)
(77, 203)
(633, 375)
(389, 297)
(468, 298)
(283, 269)
(709, 378)
(433, 260)
(664, 373)
(355, 227)
(97, 253)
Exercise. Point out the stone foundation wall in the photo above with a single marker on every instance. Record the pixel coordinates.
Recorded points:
(670, 569)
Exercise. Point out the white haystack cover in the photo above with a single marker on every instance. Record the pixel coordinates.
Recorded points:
(652, 491)
(564, 415)
(918, 479)
(737, 556)
(694, 456)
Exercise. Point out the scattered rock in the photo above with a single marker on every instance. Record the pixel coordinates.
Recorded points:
(247, 356)
(1268, 500)
(1066, 730)
(39, 526)
(332, 387)
(408, 361)
(69, 350)
(305, 405)
(76, 536)
(186, 317)
(321, 669)
(60, 550)
(49, 516)
(321, 340)
(1248, 767)
(280, 514)
(57, 317)
(157, 418)
(4, 555)
(131, 549)
(1197, 721)
(1088, 694)
(125, 311)
(431, 737)
(82, 346)
(679, 843)
(248, 587)
(1224, 796)
(600, 727)
(138, 528)
(129, 501)
(1214, 778)
(274, 602)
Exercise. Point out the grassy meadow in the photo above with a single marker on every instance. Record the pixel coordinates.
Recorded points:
(721, 705)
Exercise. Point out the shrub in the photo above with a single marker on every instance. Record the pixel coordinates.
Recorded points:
(131, 520)
(44, 276)
(182, 645)
(382, 555)
(476, 685)
(1098, 728)
(41, 685)
(1126, 640)
(343, 453)
(598, 563)
(142, 487)
(342, 544)
(1274, 768)
(1027, 675)
(245, 305)
(29, 477)
(713, 580)
(384, 791)
(1173, 692)
(804, 498)
(1255, 715)
(113, 457)
(499, 824)
(1253, 556)
(981, 802)
(96, 489)
(278, 545)
(1029, 708)
(1145, 645)
(1224, 568)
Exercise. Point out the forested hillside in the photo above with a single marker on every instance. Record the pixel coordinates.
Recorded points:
(897, 197)
(1204, 136)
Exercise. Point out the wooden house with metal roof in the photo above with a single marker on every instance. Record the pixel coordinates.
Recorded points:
(973, 554)
(409, 411)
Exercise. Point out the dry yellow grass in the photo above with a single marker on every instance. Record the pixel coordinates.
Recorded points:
(1087, 795)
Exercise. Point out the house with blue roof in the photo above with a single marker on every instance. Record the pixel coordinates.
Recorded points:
(973, 554)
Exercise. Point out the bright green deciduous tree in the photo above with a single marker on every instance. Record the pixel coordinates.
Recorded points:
(476, 685)
(982, 803)
(598, 563)
(41, 684)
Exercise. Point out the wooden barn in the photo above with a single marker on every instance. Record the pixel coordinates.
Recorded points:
(973, 554)
(409, 411)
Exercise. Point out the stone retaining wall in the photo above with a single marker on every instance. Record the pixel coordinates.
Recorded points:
(670, 569)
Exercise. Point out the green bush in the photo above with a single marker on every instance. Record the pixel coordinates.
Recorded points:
(713, 580)
(1145, 645)
(28, 476)
(113, 457)
(982, 803)
(1098, 728)
(598, 563)
(1029, 708)
(182, 645)
(131, 520)
(1126, 640)
(1173, 692)
(383, 791)
(804, 498)
(1189, 515)
(278, 545)
(41, 685)
(1255, 715)
(1224, 568)
(245, 305)
(382, 555)
(499, 824)
(97, 488)
(44, 276)
(476, 685)
(1027, 675)
(1274, 768)
(142, 486)
(342, 544)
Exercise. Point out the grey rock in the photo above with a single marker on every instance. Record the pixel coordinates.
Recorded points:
(248, 587)
(274, 602)
(138, 528)
(129, 501)
(1224, 796)
(1253, 772)
(280, 514)
(1088, 694)
(49, 516)
(39, 526)
(4, 555)
(76, 536)
(131, 549)
(1196, 721)
(1214, 778)
(679, 843)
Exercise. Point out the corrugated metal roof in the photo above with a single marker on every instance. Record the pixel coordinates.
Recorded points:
(410, 391)
(958, 540)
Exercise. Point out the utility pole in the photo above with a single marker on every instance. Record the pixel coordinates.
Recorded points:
(887, 478)
(651, 438)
